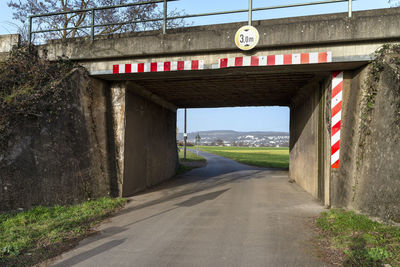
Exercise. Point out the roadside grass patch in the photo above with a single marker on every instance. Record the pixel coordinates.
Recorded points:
(364, 242)
(191, 162)
(190, 156)
(29, 237)
(269, 157)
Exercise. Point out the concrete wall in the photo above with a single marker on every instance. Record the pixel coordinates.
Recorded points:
(59, 160)
(7, 42)
(308, 140)
(369, 175)
(150, 144)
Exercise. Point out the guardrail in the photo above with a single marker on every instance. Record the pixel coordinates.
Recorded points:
(165, 17)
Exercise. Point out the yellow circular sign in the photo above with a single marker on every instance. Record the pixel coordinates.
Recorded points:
(247, 38)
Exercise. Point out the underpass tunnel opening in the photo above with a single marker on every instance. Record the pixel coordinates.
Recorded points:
(152, 100)
(265, 128)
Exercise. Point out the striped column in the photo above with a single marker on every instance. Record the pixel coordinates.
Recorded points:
(336, 106)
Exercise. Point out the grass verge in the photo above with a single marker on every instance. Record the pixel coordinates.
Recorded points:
(270, 157)
(192, 161)
(361, 241)
(29, 237)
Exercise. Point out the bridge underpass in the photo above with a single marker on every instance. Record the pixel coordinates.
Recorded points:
(150, 97)
(151, 101)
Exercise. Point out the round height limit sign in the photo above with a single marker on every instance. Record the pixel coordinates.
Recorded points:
(247, 37)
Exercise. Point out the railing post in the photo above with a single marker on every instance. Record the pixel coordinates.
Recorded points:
(250, 11)
(164, 29)
(30, 30)
(350, 8)
(92, 26)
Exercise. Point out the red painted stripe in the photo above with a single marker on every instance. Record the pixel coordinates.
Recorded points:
(167, 66)
(337, 89)
(335, 147)
(140, 67)
(335, 165)
(195, 64)
(336, 109)
(238, 61)
(287, 59)
(322, 57)
(153, 67)
(128, 68)
(305, 58)
(254, 61)
(336, 128)
(270, 60)
(181, 65)
(335, 74)
(223, 63)
(115, 69)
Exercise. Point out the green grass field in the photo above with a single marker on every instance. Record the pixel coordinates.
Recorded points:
(271, 157)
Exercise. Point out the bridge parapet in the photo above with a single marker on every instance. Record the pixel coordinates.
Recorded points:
(348, 39)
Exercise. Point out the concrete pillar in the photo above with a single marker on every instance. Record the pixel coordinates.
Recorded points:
(309, 139)
(118, 95)
(150, 151)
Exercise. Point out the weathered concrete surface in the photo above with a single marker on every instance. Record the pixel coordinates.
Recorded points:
(7, 42)
(150, 153)
(307, 139)
(226, 214)
(59, 161)
(346, 38)
(117, 95)
(369, 175)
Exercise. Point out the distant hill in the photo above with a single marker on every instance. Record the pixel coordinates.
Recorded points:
(229, 135)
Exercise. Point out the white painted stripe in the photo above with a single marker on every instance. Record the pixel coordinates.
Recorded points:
(246, 61)
(336, 99)
(314, 57)
(121, 68)
(134, 67)
(174, 65)
(231, 62)
(279, 60)
(262, 61)
(336, 118)
(146, 67)
(338, 79)
(296, 59)
(335, 157)
(335, 138)
(160, 66)
(329, 57)
(187, 65)
(201, 64)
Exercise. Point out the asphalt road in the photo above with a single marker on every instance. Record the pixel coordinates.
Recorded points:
(224, 214)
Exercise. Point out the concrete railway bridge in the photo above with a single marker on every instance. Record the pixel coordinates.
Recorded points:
(311, 64)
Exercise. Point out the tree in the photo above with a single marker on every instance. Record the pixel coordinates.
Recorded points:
(394, 3)
(107, 17)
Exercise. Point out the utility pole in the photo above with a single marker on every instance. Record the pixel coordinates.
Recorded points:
(185, 135)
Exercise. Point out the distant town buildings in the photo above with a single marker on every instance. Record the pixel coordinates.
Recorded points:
(232, 138)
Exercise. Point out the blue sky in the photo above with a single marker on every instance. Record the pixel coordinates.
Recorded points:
(240, 119)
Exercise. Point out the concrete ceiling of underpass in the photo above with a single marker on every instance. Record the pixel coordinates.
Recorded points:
(260, 86)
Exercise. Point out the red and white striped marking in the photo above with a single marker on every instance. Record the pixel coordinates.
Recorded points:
(275, 60)
(158, 66)
(336, 105)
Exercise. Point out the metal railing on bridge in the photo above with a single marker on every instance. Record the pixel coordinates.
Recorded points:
(164, 19)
